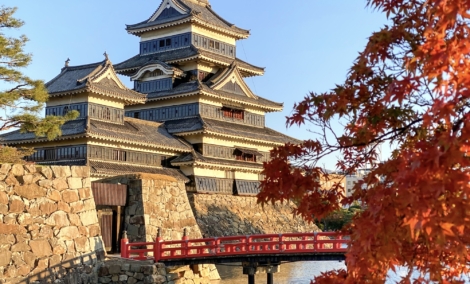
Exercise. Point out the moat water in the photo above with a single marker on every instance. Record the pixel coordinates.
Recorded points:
(295, 273)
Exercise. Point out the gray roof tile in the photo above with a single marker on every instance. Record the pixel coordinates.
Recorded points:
(133, 131)
(227, 128)
(76, 78)
(129, 66)
(198, 157)
(200, 12)
(70, 128)
(99, 168)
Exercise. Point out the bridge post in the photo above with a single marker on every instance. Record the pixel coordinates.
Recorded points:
(251, 279)
(253, 268)
(124, 248)
(157, 246)
(270, 279)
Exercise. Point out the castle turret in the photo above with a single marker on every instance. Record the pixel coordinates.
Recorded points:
(101, 137)
(187, 66)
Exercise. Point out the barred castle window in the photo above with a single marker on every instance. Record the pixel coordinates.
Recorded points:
(119, 155)
(65, 111)
(233, 113)
(50, 154)
(240, 156)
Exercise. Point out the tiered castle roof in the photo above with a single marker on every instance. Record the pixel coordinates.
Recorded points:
(98, 78)
(177, 12)
(189, 102)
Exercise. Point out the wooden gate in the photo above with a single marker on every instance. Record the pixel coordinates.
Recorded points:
(109, 199)
(105, 217)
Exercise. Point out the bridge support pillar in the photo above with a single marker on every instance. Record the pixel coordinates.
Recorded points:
(251, 269)
(270, 279)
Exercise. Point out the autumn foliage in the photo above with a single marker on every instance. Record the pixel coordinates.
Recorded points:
(409, 87)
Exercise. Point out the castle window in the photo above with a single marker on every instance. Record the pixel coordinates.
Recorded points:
(108, 114)
(217, 45)
(119, 155)
(162, 43)
(136, 114)
(247, 155)
(233, 113)
(211, 44)
(65, 111)
(50, 154)
(168, 42)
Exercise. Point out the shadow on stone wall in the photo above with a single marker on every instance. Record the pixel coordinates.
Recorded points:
(219, 220)
(78, 270)
(227, 215)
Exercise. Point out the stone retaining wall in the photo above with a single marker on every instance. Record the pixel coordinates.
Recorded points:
(227, 215)
(157, 201)
(143, 272)
(49, 229)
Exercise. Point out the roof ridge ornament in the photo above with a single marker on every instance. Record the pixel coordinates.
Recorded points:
(67, 62)
(106, 56)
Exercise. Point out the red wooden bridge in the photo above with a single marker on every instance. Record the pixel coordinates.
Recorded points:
(253, 251)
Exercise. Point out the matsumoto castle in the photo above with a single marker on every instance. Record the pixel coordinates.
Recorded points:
(190, 115)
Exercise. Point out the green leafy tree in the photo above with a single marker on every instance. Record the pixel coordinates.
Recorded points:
(338, 219)
(22, 98)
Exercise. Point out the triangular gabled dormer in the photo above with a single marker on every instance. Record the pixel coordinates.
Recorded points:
(231, 81)
(94, 90)
(168, 9)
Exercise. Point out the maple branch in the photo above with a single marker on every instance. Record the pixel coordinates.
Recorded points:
(381, 138)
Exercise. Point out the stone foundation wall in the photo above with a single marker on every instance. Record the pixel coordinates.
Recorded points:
(157, 201)
(226, 215)
(49, 230)
(143, 272)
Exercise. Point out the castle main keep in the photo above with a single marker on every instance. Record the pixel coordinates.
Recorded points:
(190, 115)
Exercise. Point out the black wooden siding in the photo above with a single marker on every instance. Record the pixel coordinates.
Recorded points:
(59, 153)
(166, 113)
(113, 154)
(82, 108)
(212, 44)
(191, 110)
(210, 150)
(217, 113)
(160, 44)
(96, 111)
(247, 188)
(213, 185)
(153, 86)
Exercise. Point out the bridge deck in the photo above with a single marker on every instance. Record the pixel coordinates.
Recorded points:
(261, 258)
(269, 248)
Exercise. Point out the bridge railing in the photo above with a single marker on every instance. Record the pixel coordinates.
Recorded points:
(328, 242)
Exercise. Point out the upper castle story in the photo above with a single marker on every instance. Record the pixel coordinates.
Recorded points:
(187, 66)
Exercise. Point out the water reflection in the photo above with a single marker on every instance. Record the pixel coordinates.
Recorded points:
(291, 273)
(299, 273)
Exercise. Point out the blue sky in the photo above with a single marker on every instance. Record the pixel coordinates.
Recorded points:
(305, 45)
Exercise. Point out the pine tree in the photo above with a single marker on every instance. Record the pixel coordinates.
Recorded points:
(22, 98)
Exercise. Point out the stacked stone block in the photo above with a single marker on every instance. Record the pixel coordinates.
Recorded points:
(49, 229)
(227, 215)
(157, 201)
(145, 272)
